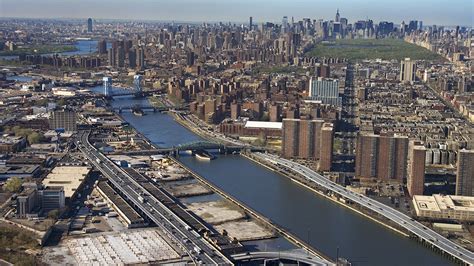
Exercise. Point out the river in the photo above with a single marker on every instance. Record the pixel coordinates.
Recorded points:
(83, 47)
(324, 224)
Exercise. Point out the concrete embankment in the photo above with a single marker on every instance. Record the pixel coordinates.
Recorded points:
(315, 190)
(294, 239)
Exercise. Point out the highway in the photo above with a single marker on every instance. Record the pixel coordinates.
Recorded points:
(395, 216)
(300, 257)
(197, 248)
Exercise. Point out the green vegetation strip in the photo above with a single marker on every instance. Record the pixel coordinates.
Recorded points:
(14, 244)
(40, 49)
(359, 49)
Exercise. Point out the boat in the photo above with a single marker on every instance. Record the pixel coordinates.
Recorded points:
(138, 111)
(204, 155)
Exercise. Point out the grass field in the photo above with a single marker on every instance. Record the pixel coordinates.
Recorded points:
(359, 49)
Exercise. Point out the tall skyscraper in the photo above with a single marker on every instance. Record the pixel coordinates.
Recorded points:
(325, 90)
(416, 168)
(102, 46)
(465, 173)
(121, 56)
(250, 23)
(89, 25)
(308, 139)
(284, 25)
(140, 53)
(112, 54)
(338, 17)
(381, 157)
(190, 58)
(132, 58)
(107, 85)
(407, 70)
(137, 82)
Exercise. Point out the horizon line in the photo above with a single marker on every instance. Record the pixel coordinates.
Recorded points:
(199, 22)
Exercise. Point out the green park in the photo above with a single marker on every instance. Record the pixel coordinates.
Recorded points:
(359, 49)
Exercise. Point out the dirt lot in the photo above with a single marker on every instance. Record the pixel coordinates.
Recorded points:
(216, 212)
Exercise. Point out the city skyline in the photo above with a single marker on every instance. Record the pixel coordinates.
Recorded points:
(439, 12)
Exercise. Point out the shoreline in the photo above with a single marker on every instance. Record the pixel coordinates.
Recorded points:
(328, 197)
(267, 222)
(183, 123)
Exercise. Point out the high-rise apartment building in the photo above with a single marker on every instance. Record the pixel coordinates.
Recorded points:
(465, 173)
(322, 71)
(275, 113)
(407, 70)
(235, 109)
(308, 139)
(416, 168)
(381, 157)
(326, 147)
(65, 119)
(366, 156)
(325, 90)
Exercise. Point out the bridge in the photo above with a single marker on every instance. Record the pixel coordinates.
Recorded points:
(293, 257)
(136, 90)
(190, 146)
(120, 109)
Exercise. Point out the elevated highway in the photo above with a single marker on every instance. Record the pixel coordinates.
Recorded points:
(293, 257)
(190, 241)
(401, 219)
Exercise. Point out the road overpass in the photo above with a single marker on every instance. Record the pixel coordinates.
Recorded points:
(401, 219)
(199, 250)
(289, 256)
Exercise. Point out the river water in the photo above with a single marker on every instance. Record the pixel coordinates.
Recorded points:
(83, 47)
(325, 225)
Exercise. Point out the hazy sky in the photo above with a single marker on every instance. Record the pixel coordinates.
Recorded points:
(441, 12)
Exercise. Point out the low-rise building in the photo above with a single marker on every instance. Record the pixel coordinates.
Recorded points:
(440, 207)
(11, 143)
(70, 178)
(20, 171)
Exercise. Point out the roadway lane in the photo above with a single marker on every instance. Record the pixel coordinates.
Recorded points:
(399, 218)
(196, 247)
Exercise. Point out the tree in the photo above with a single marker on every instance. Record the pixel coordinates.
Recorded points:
(54, 214)
(35, 137)
(13, 184)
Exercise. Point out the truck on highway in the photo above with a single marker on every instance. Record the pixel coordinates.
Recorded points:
(98, 160)
(141, 199)
(198, 250)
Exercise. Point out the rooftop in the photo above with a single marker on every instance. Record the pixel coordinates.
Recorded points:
(440, 203)
(263, 124)
(69, 177)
